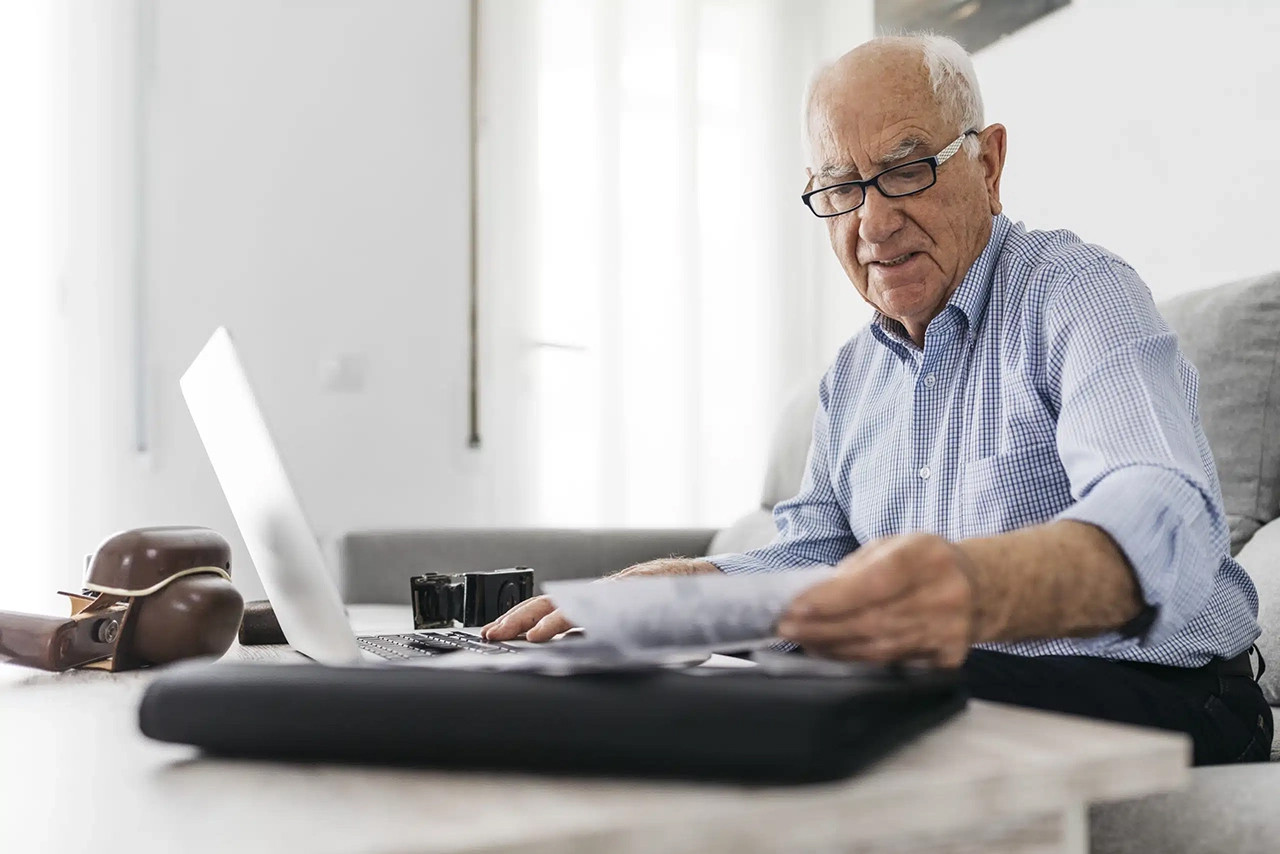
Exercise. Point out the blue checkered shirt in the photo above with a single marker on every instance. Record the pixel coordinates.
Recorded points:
(1049, 387)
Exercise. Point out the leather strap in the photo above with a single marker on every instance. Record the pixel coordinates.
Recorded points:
(1237, 666)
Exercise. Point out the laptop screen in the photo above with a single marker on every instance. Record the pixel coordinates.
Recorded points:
(281, 543)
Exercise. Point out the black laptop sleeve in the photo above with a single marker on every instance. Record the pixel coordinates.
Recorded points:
(734, 725)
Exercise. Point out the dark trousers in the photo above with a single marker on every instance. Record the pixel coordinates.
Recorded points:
(1226, 716)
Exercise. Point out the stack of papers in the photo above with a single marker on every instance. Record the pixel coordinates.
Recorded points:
(655, 621)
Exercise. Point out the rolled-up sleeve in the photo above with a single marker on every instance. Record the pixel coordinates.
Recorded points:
(813, 527)
(1127, 435)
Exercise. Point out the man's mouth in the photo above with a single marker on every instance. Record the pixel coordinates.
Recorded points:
(894, 262)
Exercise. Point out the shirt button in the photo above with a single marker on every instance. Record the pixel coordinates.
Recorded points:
(924, 472)
(930, 380)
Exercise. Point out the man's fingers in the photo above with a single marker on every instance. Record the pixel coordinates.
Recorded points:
(872, 650)
(857, 584)
(518, 620)
(537, 619)
(951, 657)
(548, 627)
(887, 651)
(917, 624)
(883, 650)
(880, 573)
(858, 626)
(915, 611)
(901, 598)
(898, 638)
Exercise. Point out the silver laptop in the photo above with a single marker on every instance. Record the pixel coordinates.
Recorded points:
(280, 541)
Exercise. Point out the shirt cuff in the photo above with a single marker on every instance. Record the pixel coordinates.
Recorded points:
(743, 563)
(1161, 523)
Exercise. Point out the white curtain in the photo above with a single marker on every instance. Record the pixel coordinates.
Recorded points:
(29, 84)
(652, 284)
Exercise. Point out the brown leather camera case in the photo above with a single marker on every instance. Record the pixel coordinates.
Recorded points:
(151, 595)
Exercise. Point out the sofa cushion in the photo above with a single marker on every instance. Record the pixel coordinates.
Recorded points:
(752, 531)
(1226, 808)
(1261, 559)
(1232, 335)
(790, 447)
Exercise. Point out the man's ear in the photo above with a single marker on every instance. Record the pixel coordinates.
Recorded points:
(993, 140)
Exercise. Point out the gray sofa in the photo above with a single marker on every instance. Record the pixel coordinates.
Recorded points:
(1231, 333)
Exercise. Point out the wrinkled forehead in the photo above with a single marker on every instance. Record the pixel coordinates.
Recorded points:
(861, 112)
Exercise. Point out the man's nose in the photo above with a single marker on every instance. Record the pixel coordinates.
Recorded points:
(878, 218)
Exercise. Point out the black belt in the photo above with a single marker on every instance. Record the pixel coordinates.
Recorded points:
(1240, 665)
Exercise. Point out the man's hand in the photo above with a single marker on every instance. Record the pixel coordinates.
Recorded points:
(907, 597)
(920, 596)
(539, 620)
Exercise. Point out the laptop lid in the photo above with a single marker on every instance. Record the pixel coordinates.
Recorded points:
(266, 508)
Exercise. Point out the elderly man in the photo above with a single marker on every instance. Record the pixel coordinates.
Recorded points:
(1007, 465)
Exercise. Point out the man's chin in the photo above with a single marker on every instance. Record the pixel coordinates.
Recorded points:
(903, 300)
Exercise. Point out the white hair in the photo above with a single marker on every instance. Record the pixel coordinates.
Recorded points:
(955, 84)
(951, 74)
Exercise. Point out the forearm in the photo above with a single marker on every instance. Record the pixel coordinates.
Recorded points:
(1061, 579)
(668, 566)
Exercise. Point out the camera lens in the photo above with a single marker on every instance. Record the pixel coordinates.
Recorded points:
(508, 596)
(432, 601)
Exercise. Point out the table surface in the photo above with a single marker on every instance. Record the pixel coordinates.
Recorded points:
(79, 776)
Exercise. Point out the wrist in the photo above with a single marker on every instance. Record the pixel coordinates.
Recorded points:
(1061, 579)
(988, 616)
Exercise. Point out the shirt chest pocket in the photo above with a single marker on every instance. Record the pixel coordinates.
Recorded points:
(1024, 487)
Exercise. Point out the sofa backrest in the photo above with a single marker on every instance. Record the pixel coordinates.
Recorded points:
(375, 566)
(1231, 334)
(789, 450)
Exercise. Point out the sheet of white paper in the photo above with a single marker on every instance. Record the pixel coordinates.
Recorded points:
(692, 613)
(567, 658)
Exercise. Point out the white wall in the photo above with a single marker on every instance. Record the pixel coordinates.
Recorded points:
(835, 310)
(297, 171)
(30, 60)
(1147, 127)
(615, 131)
(304, 182)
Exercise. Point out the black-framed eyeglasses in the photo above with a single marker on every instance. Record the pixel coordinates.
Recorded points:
(905, 179)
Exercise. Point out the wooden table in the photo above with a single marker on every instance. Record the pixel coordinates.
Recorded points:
(78, 776)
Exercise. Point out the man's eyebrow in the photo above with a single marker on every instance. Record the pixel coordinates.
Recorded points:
(835, 172)
(904, 149)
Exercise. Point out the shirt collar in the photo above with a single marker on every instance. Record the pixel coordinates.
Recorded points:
(970, 299)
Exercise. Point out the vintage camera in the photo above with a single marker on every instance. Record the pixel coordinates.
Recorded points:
(151, 596)
(472, 598)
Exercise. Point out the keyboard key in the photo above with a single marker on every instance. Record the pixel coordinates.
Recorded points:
(430, 643)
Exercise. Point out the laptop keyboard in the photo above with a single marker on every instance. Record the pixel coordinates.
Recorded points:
(393, 647)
